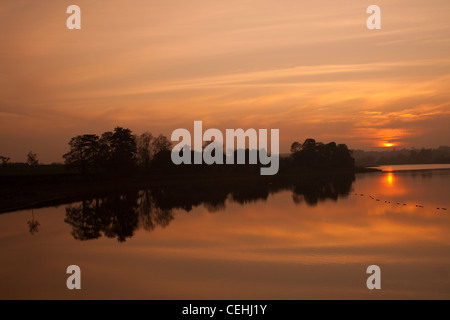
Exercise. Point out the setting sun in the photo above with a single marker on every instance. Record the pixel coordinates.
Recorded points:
(388, 145)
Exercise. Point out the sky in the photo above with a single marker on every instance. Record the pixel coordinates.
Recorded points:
(311, 69)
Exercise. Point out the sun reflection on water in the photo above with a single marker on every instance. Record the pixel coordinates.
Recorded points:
(390, 180)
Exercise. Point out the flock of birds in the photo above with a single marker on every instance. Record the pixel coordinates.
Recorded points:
(398, 203)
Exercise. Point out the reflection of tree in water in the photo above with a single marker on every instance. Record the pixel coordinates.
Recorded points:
(122, 216)
(213, 207)
(253, 194)
(119, 216)
(116, 216)
(85, 219)
(33, 225)
(150, 214)
(315, 189)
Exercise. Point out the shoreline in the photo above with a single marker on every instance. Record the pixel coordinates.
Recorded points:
(26, 192)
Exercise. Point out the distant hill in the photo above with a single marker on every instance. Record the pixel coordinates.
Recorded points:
(402, 156)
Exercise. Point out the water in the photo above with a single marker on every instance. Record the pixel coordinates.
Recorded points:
(310, 240)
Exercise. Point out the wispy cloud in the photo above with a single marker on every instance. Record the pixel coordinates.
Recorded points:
(311, 69)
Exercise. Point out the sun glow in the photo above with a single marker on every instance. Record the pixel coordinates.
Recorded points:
(390, 179)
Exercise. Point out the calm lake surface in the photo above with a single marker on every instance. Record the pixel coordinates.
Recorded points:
(311, 240)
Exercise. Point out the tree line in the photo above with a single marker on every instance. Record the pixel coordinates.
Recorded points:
(318, 154)
(116, 151)
(122, 152)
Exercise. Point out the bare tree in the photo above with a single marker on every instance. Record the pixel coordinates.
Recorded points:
(161, 143)
(144, 149)
(4, 160)
(32, 159)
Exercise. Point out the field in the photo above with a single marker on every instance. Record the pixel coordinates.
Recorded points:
(24, 170)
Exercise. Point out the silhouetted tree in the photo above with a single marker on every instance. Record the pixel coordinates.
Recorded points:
(105, 153)
(161, 147)
(307, 156)
(84, 152)
(342, 157)
(123, 149)
(114, 151)
(4, 160)
(318, 154)
(326, 153)
(309, 145)
(144, 149)
(32, 159)
(161, 143)
(296, 147)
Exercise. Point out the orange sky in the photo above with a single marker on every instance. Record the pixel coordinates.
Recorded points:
(308, 69)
